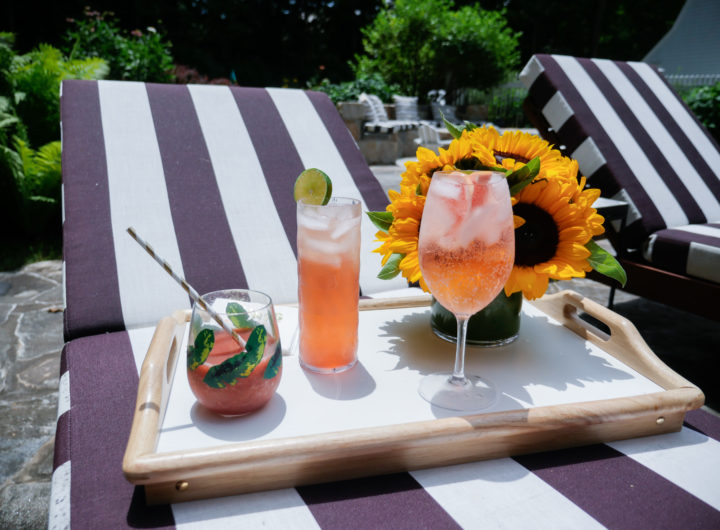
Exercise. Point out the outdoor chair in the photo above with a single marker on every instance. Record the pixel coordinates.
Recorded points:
(377, 119)
(636, 141)
(205, 174)
(441, 112)
(429, 136)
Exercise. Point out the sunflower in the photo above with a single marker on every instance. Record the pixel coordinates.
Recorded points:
(551, 242)
(513, 149)
(406, 207)
(554, 217)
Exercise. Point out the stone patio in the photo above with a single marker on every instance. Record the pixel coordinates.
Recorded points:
(31, 340)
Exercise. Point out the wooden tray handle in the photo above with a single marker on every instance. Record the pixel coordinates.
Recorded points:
(624, 341)
(151, 402)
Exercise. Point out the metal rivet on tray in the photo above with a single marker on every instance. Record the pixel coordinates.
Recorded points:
(182, 485)
(660, 420)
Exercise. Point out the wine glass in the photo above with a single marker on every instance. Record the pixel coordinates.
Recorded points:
(466, 250)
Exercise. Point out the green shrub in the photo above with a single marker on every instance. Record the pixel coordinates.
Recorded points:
(422, 45)
(505, 106)
(351, 90)
(35, 80)
(705, 103)
(136, 55)
(29, 116)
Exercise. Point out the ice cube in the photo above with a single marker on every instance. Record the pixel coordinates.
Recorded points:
(344, 227)
(446, 188)
(313, 222)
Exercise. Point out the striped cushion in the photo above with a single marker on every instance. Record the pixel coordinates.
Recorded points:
(205, 174)
(633, 137)
(390, 126)
(406, 108)
(374, 108)
(693, 250)
(667, 481)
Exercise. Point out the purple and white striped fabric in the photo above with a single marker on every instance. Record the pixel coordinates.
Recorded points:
(693, 250)
(633, 137)
(205, 174)
(664, 481)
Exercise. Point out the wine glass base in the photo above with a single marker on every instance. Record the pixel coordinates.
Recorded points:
(475, 394)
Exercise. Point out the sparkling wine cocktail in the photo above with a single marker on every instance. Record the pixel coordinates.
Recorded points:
(466, 250)
(328, 241)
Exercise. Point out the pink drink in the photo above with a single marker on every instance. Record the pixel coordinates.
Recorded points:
(467, 244)
(328, 284)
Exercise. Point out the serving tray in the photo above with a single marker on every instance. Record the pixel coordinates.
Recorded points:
(563, 383)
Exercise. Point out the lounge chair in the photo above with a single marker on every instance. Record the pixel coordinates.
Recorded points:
(205, 174)
(638, 142)
(429, 136)
(377, 119)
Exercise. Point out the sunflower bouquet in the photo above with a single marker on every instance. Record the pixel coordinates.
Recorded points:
(554, 219)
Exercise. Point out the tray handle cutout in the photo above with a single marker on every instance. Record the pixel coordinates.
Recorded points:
(624, 341)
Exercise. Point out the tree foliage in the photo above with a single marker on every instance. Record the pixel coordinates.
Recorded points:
(422, 45)
(704, 101)
(137, 55)
(624, 30)
(30, 116)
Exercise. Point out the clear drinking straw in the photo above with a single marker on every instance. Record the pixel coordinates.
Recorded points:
(185, 285)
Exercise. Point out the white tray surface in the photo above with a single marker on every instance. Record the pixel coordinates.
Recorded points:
(547, 365)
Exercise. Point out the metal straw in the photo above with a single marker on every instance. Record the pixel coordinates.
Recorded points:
(185, 285)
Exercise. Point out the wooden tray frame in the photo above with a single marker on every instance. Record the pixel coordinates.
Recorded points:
(268, 464)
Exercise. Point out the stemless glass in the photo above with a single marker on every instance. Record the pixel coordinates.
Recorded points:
(225, 377)
(466, 250)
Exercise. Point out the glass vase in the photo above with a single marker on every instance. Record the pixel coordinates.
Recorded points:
(497, 324)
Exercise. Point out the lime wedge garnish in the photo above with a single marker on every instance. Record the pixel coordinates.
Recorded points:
(313, 187)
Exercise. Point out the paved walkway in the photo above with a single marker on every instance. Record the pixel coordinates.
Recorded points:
(31, 341)
(30, 344)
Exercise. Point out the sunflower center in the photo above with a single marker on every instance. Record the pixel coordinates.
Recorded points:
(501, 155)
(536, 241)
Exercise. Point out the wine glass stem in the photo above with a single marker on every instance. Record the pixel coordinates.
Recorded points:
(458, 376)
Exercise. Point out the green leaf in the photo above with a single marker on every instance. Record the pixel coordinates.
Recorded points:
(197, 354)
(383, 220)
(523, 176)
(605, 263)
(391, 268)
(454, 130)
(273, 366)
(239, 316)
(8, 120)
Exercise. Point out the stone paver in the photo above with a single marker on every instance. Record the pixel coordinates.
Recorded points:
(30, 344)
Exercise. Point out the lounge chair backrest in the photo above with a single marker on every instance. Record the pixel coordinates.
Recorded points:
(428, 135)
(406, 108)
(374, 109)
(205, 174)
(633, 137)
